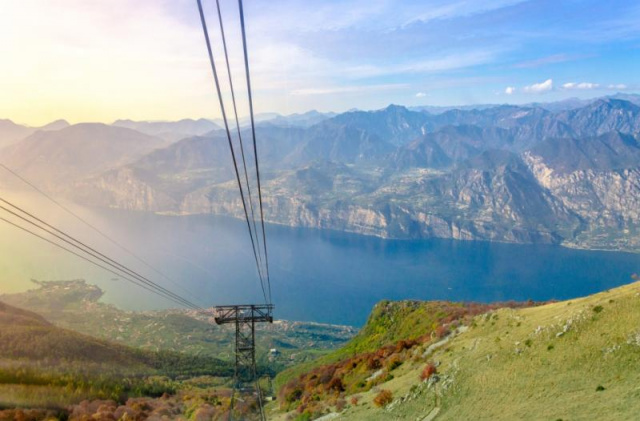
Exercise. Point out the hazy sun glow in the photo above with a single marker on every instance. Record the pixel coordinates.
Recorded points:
(95, 60)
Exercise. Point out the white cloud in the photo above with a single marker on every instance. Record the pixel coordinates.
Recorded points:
(509, 90)
(421, 95)
(538, 88)
(581, 86)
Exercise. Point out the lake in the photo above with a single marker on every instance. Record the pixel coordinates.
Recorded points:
(321, 276)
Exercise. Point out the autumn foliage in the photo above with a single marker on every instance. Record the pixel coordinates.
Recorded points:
(428, 371)
(383, 398)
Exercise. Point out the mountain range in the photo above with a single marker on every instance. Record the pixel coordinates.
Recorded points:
(11, 132)
(556, 173)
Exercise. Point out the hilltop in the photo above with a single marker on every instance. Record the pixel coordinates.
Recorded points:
(566, 360)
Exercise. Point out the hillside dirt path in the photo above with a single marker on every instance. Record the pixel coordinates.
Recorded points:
(432, 415)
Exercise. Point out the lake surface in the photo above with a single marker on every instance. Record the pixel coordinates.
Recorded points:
(316, 275)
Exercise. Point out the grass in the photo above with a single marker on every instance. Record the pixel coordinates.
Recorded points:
(19, 395)
(393, 334)
(536, 382)
(389, 322)
(569, 360)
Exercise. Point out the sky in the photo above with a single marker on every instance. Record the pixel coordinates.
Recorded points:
(96, 60)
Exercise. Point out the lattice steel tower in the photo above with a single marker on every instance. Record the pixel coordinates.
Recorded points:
(245, 318)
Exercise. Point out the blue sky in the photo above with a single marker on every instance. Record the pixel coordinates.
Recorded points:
(145, 59)
(448, 52)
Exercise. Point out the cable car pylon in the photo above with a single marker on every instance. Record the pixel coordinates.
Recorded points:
(244, 317)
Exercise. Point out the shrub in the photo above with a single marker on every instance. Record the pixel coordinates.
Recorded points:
(600, 388)
(383, 398)
(354, 400)
(441, 331)
(428, 371)
(293, 395)
(598, 309)
(326, 373)
(304, 417)
(336, 385)
(373, 363)
(394, 363)
(528, 343)
(405, 344)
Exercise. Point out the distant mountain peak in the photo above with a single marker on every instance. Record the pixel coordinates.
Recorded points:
(609, 103)
(493, 158)
(396, 108)
(7, 122)
(170, 130)
(56, 125)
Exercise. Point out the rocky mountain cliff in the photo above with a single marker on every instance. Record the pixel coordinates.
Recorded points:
(500, 173)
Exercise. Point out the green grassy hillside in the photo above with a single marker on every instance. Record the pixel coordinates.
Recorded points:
(571, 360)
(392, 334)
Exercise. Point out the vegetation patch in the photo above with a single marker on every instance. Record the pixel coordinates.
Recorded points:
(395, 334)
(382, 399)
(428, 371)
